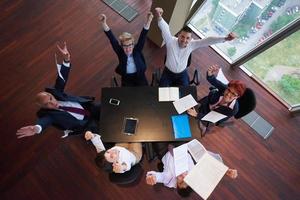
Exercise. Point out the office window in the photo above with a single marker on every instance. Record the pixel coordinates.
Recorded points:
(254, 22)
(278, 68)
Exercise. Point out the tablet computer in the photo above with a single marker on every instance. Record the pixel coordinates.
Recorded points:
(130, 125)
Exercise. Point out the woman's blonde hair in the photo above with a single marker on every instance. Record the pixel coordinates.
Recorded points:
(125, 36)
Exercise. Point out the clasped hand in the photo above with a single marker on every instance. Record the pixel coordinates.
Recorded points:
(151, 179)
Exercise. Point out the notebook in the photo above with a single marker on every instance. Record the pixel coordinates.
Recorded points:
(168, 94)
(181, 126)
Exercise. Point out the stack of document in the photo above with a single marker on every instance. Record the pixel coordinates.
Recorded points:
(206, 174)
(168, 93)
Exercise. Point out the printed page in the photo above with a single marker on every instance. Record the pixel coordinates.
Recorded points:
(163, 94)
(213, 117)
(196, 149)
(180, 159)
(184, 103)
(221, 77)
(206, 175)
(174, 93)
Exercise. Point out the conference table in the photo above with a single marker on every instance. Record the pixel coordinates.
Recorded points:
(154, 117)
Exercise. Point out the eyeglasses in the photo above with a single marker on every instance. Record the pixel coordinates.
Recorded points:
(127, 45)
(232, 92)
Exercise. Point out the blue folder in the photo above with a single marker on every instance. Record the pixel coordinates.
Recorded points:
(181, 126)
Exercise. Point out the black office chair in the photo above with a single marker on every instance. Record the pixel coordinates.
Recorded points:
(196, 79)
(156, 74)
(130, 177)
(247, 103)
(114, 82)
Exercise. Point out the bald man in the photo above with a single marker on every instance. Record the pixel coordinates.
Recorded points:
(72, 114)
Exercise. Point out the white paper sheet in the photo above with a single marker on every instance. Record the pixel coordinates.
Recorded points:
(221, 77)
(168, 93)
(180, 159)
(213, 116)
(206, 175)
(196, 149)
(184, 103)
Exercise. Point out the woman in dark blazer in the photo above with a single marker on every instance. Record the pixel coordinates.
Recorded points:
(222, 100)
(132, 65)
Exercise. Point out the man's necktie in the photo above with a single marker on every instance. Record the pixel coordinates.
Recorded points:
(79, 111)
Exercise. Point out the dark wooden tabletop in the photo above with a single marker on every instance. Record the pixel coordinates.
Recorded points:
(142, 103)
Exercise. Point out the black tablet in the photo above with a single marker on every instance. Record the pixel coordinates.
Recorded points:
(130, 126)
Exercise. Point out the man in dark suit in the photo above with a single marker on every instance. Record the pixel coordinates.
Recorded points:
(73, 114)
(132, 65)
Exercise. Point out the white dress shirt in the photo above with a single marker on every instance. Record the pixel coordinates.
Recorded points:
(125, 156)
(177, 57)
(168, 177)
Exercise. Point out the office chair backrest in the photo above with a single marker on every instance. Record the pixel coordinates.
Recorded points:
(156, 75)
(129, 177)
(247, 103)
(114, 82)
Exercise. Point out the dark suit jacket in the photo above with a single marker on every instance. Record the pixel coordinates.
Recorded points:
(213, 97)
(61, 119)
(138, 57)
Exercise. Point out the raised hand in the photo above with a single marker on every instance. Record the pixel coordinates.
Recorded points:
(149, 16)
(159, 11)
(149, 20)
(102, 18)
(88, 135)
(230, 36)
(213, 70)
(232, 173)
(64, 51)
(151, 179)
(26, 131)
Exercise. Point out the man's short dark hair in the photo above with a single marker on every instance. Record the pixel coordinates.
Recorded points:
(102, 163)
(184, 192)
(186, 29)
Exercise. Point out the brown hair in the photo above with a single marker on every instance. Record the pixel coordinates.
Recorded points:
(239, 86)
(186, 29)
(102, 163)
(184, 192)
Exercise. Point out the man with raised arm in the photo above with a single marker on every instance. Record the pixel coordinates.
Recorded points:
(72, 114)
(167, 175)
(178, 51)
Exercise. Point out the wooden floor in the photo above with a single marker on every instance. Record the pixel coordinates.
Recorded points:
(48, 167)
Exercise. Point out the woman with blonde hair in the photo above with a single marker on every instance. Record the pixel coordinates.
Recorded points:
(132, 65)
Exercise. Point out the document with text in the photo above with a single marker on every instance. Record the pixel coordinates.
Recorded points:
(196, 149)
(213, 117)
(184, 103)
(207, 173)
(168, 93)
(180, 159)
